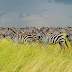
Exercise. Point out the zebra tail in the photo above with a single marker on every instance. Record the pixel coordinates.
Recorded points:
(66, 44)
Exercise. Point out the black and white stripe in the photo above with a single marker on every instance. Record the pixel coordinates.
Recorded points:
(21, 38)
(67, 31)
(52, 39)
(29, 38)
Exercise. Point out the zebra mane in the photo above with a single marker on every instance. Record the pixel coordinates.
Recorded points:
(11, 30)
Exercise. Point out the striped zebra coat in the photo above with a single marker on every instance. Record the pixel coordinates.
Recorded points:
(67, 31)
(53, 38)
(20, 38)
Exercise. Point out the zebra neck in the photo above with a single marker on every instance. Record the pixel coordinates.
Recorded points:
(12, 36)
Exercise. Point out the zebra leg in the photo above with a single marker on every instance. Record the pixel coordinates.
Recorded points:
(62, 46)
(45, 45)
(12, 42)
(66, 44)
(31, 44)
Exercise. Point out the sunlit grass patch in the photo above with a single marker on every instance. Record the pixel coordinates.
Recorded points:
(34, 58)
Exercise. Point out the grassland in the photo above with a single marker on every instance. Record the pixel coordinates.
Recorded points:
(26, 58)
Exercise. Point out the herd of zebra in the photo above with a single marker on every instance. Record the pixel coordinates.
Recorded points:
(46, 35)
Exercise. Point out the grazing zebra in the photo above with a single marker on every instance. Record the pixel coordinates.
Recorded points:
(29, 30)
(51, 39)
(43, 29)
(20, 38)
(67, 31)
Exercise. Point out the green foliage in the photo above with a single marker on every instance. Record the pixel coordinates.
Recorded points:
(34, 58)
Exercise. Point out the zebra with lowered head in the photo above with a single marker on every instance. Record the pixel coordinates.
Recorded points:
(52, 38)
(21, 38)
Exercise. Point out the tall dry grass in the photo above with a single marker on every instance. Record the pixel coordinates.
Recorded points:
(26, 58)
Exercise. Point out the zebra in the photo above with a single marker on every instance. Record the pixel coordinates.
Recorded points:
(20, 38)
(2, 31)
(67, 31)
(52, 39)
(60, 29)
(29, 30)
(43, 29)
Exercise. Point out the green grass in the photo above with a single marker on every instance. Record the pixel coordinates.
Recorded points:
(35, 58)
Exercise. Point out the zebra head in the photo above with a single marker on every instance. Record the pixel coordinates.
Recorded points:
(5, 34)
(44, 29)
(42, 37)
(40, 34)
(9, 32)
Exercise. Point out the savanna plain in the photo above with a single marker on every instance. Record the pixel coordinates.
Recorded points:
(34, 58)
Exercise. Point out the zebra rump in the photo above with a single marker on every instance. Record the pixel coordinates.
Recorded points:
(54, 39)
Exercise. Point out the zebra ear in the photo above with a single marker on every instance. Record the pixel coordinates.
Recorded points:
(8, 28)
